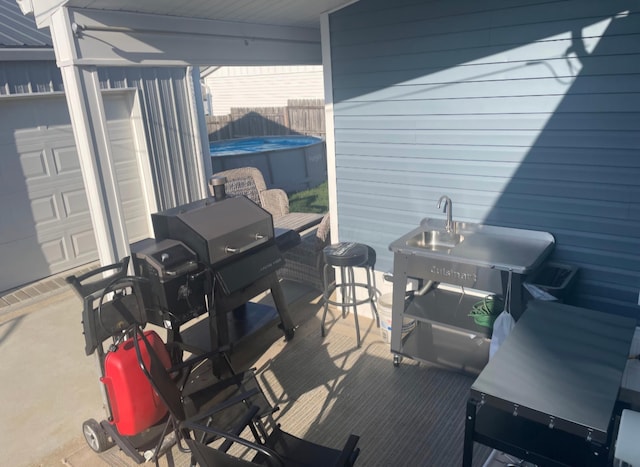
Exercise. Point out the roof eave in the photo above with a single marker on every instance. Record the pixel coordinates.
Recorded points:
(40, 10)
(24, 54)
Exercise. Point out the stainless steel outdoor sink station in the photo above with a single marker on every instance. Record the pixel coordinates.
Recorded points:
(477, 260)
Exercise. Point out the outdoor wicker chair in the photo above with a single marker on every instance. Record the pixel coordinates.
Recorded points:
(304, 263)
(249, 181)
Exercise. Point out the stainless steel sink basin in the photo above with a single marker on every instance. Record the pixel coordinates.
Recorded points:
(435, 240)
(481, 245)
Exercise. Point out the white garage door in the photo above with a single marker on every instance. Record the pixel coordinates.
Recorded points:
(45, 227)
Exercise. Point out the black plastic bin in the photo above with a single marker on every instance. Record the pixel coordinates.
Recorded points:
(556, 279)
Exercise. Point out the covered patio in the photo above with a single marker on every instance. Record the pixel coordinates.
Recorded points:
(350, 389)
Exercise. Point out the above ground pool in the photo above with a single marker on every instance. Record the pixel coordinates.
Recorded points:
(293, 163)
(259, 144)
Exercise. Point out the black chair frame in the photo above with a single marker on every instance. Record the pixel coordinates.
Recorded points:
(199, 430)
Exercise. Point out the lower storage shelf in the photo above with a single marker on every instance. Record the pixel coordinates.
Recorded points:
(242, 324)
(535, 442)
(446, 307)
(445, 333)
(446, 346)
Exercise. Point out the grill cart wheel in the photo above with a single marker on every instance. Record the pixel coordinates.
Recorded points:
(95, 436)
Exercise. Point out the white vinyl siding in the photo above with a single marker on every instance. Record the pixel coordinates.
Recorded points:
(268, 86)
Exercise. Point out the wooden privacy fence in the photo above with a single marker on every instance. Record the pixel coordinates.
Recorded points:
(299, 117)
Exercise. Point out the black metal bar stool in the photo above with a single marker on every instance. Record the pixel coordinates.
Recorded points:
(346, 256)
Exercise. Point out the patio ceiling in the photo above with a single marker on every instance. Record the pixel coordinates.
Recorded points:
(299, 13)
(189, 32)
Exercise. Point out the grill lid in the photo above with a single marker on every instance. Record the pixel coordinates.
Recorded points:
(217, 231)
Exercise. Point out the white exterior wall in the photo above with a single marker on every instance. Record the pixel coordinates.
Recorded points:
(262, 86)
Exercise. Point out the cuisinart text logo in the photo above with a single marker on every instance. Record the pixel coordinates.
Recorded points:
(451, 274)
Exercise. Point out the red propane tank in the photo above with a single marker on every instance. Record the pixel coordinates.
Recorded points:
(135, 406)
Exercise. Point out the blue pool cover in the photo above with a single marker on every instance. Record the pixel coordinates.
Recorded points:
(259, 144)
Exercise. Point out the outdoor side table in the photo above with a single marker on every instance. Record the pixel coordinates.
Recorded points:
(548, 394)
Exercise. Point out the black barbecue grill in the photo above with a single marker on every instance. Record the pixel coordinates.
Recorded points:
(226, 246)
(234, 237)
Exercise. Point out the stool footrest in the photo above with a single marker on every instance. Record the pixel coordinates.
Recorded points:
(332, 288)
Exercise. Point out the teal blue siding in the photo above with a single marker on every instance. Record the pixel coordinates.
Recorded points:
(526, 113)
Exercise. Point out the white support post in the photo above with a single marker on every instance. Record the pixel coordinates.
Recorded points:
(199, 125)
(330, 139)
(84, 99)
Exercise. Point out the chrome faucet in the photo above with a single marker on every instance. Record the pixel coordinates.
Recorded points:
(448, 206)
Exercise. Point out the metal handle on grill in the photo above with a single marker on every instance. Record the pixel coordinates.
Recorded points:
(183, 269)
(260, 239)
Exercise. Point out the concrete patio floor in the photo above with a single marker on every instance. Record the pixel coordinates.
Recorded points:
(50, 386)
